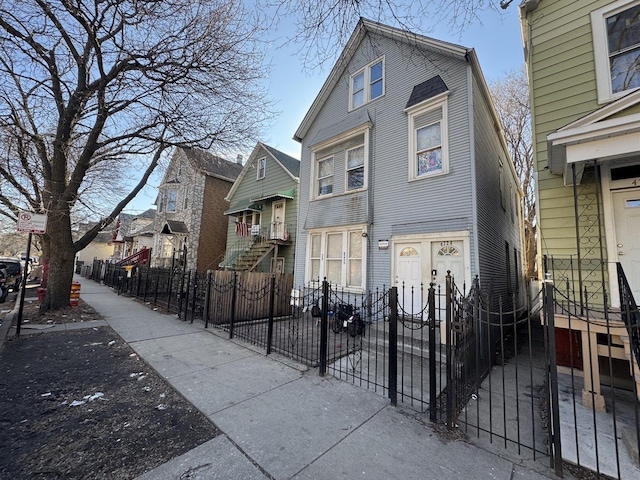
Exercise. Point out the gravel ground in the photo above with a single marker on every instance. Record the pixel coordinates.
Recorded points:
(81, 404)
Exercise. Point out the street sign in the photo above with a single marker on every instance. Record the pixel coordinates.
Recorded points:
(32, 222)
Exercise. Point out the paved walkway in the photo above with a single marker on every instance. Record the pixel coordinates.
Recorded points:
(281, 420)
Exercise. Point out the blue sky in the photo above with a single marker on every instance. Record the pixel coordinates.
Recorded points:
(497, 43)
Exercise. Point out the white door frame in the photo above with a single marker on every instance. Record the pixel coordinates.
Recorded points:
(275, 231)
(425, 240)
(609, 222)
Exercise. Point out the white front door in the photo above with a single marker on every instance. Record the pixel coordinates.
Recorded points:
(408, 270)
(626, 207)
(277, 221)
(447, 255)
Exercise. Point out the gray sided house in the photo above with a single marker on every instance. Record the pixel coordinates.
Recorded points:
(263, 213)
(190, 210)
(405, 173)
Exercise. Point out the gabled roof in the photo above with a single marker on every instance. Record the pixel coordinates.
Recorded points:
(362, 29)
(288, 163)
(212, 165)
(174, 227)
(149, 213)
(146, 231)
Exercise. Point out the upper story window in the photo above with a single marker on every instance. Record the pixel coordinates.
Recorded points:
(355, 168)
(341, 164)
(324, 172)
(160, 201)
(428, 140)
(616, 43)
(367, 84)
(172, 197)
(262, 166)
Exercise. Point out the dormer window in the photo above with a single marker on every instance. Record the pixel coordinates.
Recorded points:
(262, 166)
(367, 84)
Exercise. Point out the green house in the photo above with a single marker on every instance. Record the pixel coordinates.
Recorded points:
(584, 75)
(263, 213)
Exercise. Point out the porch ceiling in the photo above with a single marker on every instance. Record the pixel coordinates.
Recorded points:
(246, 204)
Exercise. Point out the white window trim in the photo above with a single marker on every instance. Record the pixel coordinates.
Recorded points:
(264, 170)
(175, 201)
(346, 256)
(364, 167)
(367, 83)
(440, 101)
(601, 49)
(315, 178)
(332, 142)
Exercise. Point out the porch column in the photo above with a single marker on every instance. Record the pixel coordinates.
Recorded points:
(591, 392)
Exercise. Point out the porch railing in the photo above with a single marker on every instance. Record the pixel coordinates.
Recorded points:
(629, 312)
(250, 236)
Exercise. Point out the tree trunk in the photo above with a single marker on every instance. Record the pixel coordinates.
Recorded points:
(58, 239)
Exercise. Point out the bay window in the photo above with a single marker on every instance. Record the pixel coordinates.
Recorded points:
(338, 256)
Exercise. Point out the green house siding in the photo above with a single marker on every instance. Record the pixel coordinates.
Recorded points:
(251, 192)
(562, 69)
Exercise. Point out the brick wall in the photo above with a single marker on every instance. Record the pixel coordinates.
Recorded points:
(212, 239)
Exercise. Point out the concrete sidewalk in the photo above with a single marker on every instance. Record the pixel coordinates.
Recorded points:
(281, 420)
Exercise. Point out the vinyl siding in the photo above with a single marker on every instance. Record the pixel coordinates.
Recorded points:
(397, 206)
(496, 224)
(276, 179)
(562, 68)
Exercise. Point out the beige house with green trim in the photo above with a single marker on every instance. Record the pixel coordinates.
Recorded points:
(583, 60)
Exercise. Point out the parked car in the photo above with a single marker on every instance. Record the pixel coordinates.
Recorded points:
(4, 291)
(14, 272)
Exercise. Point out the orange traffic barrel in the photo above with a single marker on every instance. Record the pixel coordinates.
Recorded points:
(74, 299)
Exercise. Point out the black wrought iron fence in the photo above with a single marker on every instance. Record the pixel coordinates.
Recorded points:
(481, 365)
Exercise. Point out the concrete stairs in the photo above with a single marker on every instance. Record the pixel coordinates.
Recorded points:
(413, 338)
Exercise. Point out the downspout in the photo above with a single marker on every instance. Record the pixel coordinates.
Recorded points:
(474, 190)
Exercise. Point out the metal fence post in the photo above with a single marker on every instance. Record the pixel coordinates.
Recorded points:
(155, 290)
(451, 388)
(170, 290)
(272, 295)
(433, 393)
(181, 294)
(233, 303)
(324, 328)
(196, 285)
(207, 298)
(552, 369)
(393, 345)
(146, 284)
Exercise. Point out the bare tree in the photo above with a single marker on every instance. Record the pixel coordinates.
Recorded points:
(511, 98)
(90, 90)
(323, 27)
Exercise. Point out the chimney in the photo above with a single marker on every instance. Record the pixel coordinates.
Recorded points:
(239, 159)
